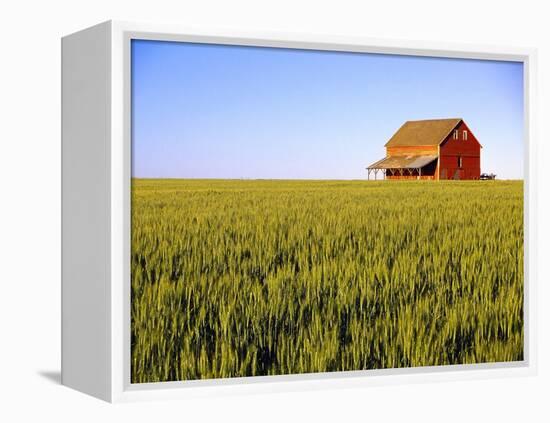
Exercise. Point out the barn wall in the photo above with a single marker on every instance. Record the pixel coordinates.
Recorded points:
(412, 177)
(452, 149)
(407, 150)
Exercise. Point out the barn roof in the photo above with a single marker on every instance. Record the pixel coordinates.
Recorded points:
(403, 162)
(423, 132)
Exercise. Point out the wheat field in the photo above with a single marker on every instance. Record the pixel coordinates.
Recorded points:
(233, 278)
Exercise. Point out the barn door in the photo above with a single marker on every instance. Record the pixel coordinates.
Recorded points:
(459, 173)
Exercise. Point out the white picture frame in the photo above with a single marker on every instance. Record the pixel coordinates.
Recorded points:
(96, 171)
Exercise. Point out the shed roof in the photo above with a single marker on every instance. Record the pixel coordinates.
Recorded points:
(423, 132)
(403, 162)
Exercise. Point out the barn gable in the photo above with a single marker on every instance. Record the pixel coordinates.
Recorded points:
(461, 127)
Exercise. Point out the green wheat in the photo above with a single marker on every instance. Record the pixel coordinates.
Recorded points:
(243, 278)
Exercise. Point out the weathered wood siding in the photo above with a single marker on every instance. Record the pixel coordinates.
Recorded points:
(408, 150)
(428, 172)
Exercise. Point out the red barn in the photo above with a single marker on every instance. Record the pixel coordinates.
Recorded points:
(430, 149)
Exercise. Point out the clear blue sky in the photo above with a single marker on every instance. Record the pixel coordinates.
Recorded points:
(211, 111)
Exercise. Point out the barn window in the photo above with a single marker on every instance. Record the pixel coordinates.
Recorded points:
(464, 135)
(455, 134)
(460, 162)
